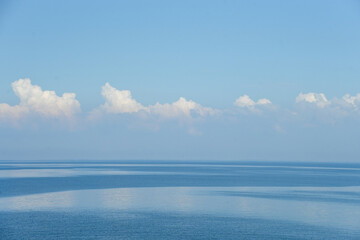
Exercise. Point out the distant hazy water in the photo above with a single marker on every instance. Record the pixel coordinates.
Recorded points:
(157, 200)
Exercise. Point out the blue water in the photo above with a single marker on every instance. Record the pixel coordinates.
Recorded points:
(179, 200)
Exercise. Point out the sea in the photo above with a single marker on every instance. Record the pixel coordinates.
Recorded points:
(178, 200)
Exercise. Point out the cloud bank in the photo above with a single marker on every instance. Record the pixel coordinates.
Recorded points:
(35, 101)
(44, 103)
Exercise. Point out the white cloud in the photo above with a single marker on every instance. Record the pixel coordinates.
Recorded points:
(121, 101)
(246, 102)
(14, 112)
(353, 100)
(181, 107)
(34, 100)
(318, 99)
(317, 106)
(263, 101)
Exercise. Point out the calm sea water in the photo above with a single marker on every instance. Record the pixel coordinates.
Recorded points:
(178, 200)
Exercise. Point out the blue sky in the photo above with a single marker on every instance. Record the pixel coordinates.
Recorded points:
(300, 57)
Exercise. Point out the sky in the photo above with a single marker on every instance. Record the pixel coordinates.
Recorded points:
(180, 80)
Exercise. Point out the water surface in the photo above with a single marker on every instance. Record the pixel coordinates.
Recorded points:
(137, 200)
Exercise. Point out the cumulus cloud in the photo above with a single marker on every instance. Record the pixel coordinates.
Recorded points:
(352, 100)
(181, 107)
(34, 100)
(121, 101)
(7, 111)
(246, 102)
(317, 106)
(320, 100)
(317, 99)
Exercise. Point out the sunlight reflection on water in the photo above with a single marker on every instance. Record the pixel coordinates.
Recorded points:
(194, 200)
